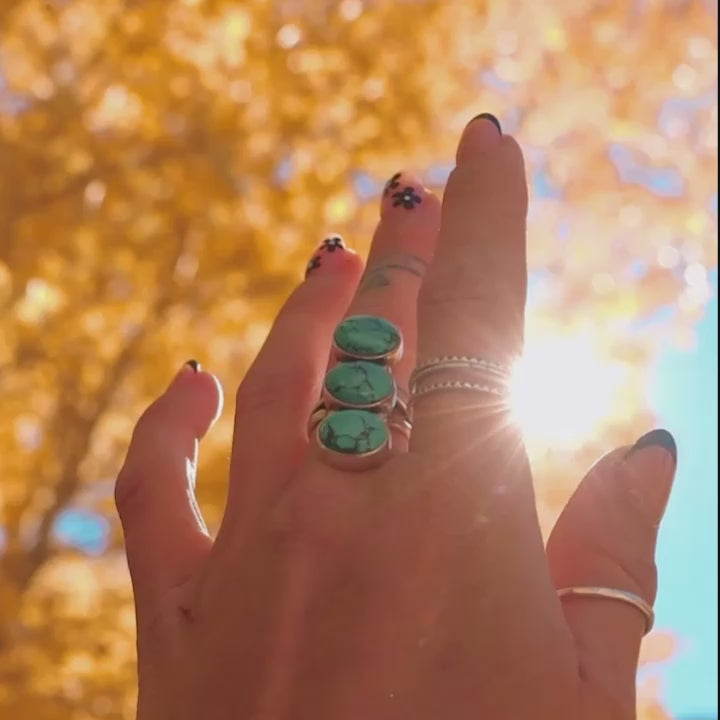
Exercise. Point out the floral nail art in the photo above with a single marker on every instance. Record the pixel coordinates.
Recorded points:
(391, 184)
(333, 243)
(314, 264)
(330, 244)
(408, 198)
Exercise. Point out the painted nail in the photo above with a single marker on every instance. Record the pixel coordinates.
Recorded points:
(331, 244)
(650, 467)
(491, 118)
(403, 190)
(194, 364)
(314, 263)
(656, 438)
(406, 197)
(392, 184)
(479, 137)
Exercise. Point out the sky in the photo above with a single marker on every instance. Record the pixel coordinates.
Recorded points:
(684, 397)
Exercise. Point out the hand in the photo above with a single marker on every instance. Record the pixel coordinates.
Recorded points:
(421, 588)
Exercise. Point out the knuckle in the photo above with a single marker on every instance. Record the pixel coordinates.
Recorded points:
(286, 386)
(318, 513)
(495, 318)
(128, 491)
(612, 561)
(286, 374)
(500, 286)
(439, 294)
(306, 305)
(639, 513)
(149, 421)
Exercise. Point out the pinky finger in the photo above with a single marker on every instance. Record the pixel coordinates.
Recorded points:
(165, 536)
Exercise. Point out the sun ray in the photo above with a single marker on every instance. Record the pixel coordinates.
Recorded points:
(563, 389)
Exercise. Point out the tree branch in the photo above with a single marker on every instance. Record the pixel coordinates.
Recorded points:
(82, 433)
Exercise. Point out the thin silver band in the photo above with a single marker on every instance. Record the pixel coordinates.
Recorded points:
(613, 594)
(457, 385)
(465, 360)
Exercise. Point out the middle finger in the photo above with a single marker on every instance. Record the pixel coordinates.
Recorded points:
(464, 441)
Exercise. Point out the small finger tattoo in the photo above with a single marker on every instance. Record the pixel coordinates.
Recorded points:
(378, 276)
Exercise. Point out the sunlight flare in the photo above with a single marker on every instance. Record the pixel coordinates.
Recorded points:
(563, 389)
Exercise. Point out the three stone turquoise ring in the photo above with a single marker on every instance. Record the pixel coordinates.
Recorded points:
(360, 402)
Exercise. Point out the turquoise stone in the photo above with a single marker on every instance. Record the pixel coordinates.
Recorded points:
(367, 336)
(359, 383)
(353, 432)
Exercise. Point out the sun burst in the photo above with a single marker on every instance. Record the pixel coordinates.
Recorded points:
(563, 389)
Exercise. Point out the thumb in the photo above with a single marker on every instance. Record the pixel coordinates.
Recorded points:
(165, 536)
(605, 537)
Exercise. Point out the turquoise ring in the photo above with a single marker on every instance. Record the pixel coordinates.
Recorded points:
(359, 403)
(367, 337)
(399, 418)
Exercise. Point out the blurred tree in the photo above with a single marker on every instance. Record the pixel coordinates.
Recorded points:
(166, 168)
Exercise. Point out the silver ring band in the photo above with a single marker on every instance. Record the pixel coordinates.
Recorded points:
(464, 361)
(458, 385)
(613, 594)
(495, 372)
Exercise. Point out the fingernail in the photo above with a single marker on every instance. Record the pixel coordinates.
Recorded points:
(404, 191)
(187, 370)
(656, 438)
(650, 469)
(491, 118)
(392, 184)
(331, 245)
(478, 137)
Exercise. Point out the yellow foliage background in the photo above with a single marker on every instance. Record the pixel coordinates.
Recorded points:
(166, 168)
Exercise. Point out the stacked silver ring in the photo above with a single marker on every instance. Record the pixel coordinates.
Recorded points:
(479, 375)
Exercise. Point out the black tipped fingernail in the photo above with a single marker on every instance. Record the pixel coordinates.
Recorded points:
(658, 438)
(491, 118)
(392, 184)
(194, 364)
(332, 243)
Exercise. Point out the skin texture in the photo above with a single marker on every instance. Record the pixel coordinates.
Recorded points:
(420, 589)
